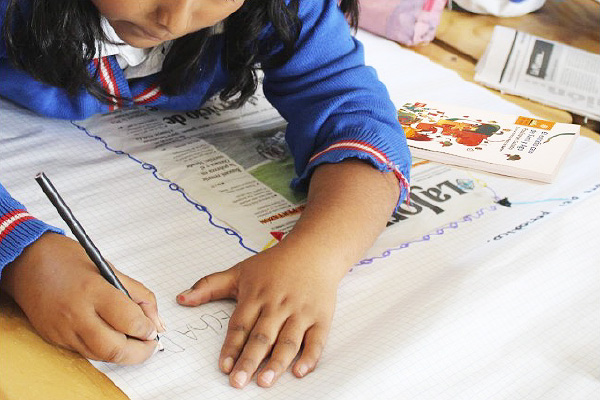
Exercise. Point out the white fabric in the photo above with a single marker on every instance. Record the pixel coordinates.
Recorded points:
(135, 62)
(501, 8)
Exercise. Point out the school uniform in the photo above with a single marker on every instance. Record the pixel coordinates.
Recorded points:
(334, 105)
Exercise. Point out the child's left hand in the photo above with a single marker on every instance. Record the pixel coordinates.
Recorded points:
(286, 295)
(285, 300)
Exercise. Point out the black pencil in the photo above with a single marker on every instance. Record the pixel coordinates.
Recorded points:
(92, 251)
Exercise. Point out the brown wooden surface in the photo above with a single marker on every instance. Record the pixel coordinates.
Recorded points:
(462, 37)
(574, 22)
(31, 369)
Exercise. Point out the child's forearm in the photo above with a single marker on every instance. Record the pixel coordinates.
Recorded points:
(348, 206)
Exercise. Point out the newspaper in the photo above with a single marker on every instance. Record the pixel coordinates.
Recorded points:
(542, 70)
(236, 164)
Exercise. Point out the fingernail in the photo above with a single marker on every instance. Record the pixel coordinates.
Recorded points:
(302, 370)
(160, 346)
(267, 377)
(240, 378)
(157, 348)
(181, 296)
(162, 323)
(152, 335)
(227, 364)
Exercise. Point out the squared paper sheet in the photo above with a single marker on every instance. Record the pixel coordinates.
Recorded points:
(500, 304)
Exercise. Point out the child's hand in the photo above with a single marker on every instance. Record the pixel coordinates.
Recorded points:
(286, 295)
(70, 304)
(285, 300)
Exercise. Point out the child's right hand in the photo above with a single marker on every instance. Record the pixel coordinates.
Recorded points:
(70, 304)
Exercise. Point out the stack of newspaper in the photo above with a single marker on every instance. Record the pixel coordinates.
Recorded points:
(542, 70)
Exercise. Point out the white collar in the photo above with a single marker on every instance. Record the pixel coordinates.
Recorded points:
(134, 61)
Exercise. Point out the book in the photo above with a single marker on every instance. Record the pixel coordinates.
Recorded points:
(513, 145)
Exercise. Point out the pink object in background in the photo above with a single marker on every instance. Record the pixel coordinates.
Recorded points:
(405, 21)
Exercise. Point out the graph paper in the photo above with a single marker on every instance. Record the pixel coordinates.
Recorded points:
(499, 304)
(460, 315)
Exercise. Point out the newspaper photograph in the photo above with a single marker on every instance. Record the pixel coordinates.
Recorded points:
(542, 70)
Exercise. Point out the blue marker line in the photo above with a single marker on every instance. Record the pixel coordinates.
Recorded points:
(172, 185)
(538, 201)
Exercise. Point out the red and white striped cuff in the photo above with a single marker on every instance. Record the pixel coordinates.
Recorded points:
(10, 221)
(357, 145)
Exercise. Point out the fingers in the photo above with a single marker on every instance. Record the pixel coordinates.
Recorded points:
(124, 315)
(256, 346)
(70, 304)
(98, 341)
(285, 350)
(145, 299)
(276, 316)
(220, 285)
(240, 325)
(314, 343)
(126, 328)
(246, 347)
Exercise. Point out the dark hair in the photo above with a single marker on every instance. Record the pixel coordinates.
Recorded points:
(37, 32)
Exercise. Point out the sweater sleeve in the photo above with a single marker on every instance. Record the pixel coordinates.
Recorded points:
(18, 228)
(3, 8)
(335, 106)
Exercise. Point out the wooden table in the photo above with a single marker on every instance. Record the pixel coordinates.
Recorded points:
(462, 37)
(32, 369)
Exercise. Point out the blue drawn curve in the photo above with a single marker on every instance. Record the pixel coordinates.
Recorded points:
(172, 185)
(176, 188)
(438, 232)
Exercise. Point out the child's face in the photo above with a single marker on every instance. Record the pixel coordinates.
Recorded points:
(147, 23)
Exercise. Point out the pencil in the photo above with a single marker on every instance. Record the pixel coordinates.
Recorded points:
(92, 251)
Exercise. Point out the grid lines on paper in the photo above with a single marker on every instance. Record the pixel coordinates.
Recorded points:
(457, 317)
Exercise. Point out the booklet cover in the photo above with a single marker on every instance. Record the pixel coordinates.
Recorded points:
(513, 145)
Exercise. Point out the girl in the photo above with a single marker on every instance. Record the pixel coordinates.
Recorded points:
(73, 58)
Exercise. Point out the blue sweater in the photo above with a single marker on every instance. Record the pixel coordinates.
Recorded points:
(334, 105)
